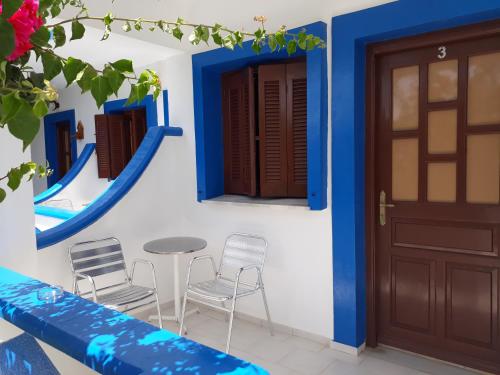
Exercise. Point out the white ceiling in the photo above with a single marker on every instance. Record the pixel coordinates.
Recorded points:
(234, 14)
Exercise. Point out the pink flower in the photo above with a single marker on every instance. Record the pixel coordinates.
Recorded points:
(25, 22)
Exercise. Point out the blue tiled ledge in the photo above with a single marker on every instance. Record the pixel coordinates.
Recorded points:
(107, 341)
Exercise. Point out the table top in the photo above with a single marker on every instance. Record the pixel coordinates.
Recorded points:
(107, 341)
(175, 245)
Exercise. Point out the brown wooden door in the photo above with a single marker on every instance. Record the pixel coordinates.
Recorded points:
(63, 136)
(437, 159)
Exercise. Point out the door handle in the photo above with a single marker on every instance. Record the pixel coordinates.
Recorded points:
(382, 208)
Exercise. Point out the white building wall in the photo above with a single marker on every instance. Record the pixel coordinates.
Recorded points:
(298, 273)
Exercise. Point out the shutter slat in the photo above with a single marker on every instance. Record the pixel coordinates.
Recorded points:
(272, 130)
(119, 147)
(297, 129)
(102, 146)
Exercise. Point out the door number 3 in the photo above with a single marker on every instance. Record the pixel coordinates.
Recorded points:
(441, 52)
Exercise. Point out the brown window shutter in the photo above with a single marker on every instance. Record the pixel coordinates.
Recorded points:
(296, 76)
(102, 146)
(137, 121)
(272, 130)
(238, 100)
(119, 146)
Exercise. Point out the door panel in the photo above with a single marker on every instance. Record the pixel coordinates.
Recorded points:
(437, 161)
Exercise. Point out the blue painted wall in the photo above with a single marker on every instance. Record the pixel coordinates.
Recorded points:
(207, 70)
(50, 122)
(350, 35)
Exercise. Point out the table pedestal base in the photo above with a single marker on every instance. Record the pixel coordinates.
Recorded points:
(173, 318)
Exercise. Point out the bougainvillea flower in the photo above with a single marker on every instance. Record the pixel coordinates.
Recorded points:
(25, 22)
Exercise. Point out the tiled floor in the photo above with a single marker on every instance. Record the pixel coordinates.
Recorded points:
(291, 355)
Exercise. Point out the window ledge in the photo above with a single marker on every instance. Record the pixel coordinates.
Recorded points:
(240, 199)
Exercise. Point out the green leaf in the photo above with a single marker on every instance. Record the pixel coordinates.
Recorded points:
(217, 38)
(177, 33)
(123, 66)
(115, 79)
(132, 98)
(41, 37)
(40, 108)
(71, 69)
(52, 65)
(10, 105)
(24, 124)
(271, 41)
(10, 7)
(256, 46)
(84, 79)
(7, 38)
(239, 37)
(55, 10)
(280, 39)
(14, 178)
(100, 90)
(77, 30)
(3, 194)
(205, 34)
(291, 47)
(59, 36)
(108, 19)
(127, 27)
(142, 91)
(302, 40)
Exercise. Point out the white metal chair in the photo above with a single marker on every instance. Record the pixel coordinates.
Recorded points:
(98, 259)
(242, 252)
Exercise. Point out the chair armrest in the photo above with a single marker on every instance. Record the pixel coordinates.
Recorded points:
(91, 281)
(256, 267)
(148, 263)
(197, 259)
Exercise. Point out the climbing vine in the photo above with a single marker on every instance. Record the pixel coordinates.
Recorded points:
(28, 29)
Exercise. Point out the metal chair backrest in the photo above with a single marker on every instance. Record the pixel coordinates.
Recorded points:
(97, 258)
(241, 250)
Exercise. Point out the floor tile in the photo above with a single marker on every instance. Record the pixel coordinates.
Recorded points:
(307, 362)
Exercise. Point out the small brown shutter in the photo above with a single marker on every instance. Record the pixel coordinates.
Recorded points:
(296, 76)
(272, 130)
(102, 146)
(119, 147)
(137, 122)
(238, 101)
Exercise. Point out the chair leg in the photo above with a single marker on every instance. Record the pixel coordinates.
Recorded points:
(158, 310)
(269, 322)
(226, 317)
(183, 312)
(231, 318)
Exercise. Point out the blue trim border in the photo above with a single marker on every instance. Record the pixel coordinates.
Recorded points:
(148, 103)
(207, 69)
(76, 168)
(109, 198)
(55, 212)
(351, 33)
(50, 122)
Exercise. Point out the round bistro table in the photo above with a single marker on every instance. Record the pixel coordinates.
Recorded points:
(175, 246)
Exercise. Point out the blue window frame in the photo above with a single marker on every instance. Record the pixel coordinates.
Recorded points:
(49, 125)
(207, 70)
(148, 103)
(350, 35)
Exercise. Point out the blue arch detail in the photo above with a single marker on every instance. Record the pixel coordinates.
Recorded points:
(207, 69)
(111, 196)
(350, 35)
(49, 127)
(76, 168)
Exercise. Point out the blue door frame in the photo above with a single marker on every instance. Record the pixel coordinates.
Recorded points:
(49, 125)
(351, 33)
